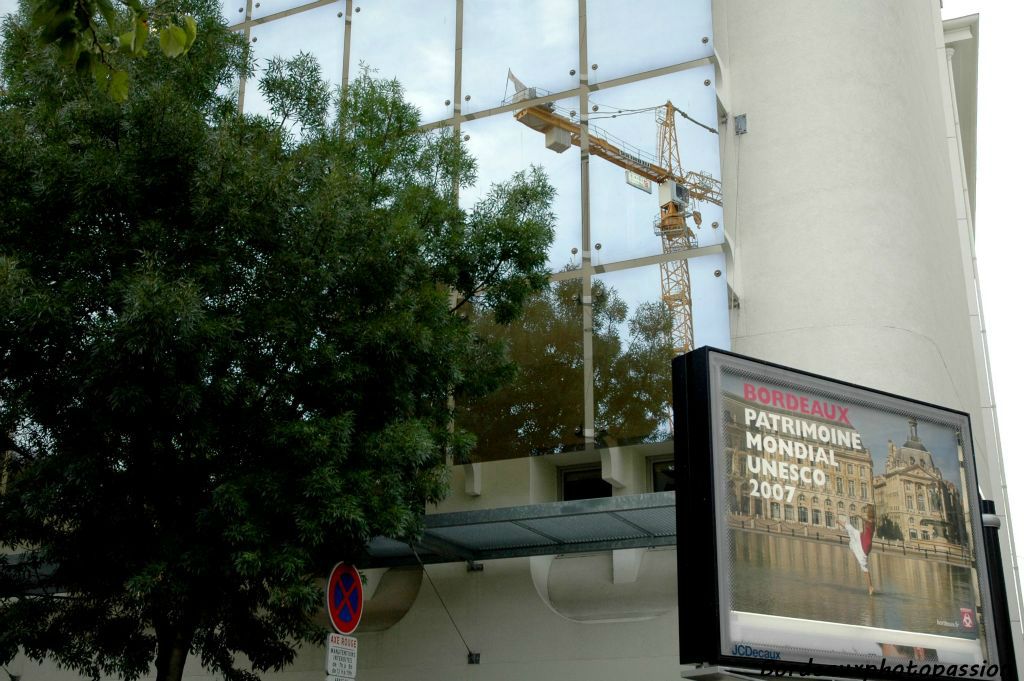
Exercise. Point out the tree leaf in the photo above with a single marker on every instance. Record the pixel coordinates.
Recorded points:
(126, 41)
(101, 72)
(119, 86)
(190, 32)
(172, 41)
(141, 33)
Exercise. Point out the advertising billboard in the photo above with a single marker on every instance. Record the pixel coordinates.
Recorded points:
(841, 526)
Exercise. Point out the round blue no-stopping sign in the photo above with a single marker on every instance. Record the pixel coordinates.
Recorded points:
(344, 598)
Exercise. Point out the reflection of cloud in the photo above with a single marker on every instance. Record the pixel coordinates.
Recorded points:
(555, 21)
(535, 38)
(413, 42)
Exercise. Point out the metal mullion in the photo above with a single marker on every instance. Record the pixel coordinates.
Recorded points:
(688, 254)
(587, 271)
(565, 94)
(347, 47)
(250, 22)
(453, 295)
(456, 119)
(248, 42)
(653, 73)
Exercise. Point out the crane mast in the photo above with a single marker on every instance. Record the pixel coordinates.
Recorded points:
(677, 191)
(676, 235)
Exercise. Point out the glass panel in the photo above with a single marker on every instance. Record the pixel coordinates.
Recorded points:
(710, 302)
(502, 145)
(626, 38)
(534, 39)
(319, 32)
(233, 11)
(635, 332)
(413, 42)
(632, 358)
(625, 129)
(541, 411)
(264, 8)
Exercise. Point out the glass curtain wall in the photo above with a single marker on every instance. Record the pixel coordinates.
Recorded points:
(616, 102)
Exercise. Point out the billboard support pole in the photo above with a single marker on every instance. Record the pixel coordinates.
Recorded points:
(1000, 612)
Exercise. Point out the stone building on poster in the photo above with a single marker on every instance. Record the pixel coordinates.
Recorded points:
(913, 495)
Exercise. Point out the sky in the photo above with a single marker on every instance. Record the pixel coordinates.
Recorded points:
(998, 224)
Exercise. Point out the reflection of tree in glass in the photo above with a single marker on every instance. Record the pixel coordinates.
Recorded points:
(541, 410)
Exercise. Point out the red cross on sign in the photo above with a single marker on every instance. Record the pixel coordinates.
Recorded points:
(344, 598)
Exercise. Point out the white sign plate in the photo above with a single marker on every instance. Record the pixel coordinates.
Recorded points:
(638, 181)
(341, 657)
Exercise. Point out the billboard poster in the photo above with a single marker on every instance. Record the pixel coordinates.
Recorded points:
(846, 524)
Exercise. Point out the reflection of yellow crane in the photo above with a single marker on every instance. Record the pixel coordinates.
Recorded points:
(677, 191)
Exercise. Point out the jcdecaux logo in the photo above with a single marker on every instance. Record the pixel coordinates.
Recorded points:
(761, 653)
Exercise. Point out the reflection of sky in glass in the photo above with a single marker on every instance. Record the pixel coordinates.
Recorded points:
(631, 37)
(319, 32)
(622, 217)
(537, 39)
(233, 11)
(419, 49)
(502, 146)
(263, 8)
(710, 302)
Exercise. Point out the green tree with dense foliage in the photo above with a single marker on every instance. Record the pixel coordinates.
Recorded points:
(228, 346)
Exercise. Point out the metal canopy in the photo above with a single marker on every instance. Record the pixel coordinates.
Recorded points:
(637, 521)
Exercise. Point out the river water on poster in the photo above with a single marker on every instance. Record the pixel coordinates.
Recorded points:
(807, 579)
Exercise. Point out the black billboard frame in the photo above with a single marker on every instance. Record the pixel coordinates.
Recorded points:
(696, 510)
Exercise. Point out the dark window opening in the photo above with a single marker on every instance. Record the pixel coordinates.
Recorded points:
(584, 483)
